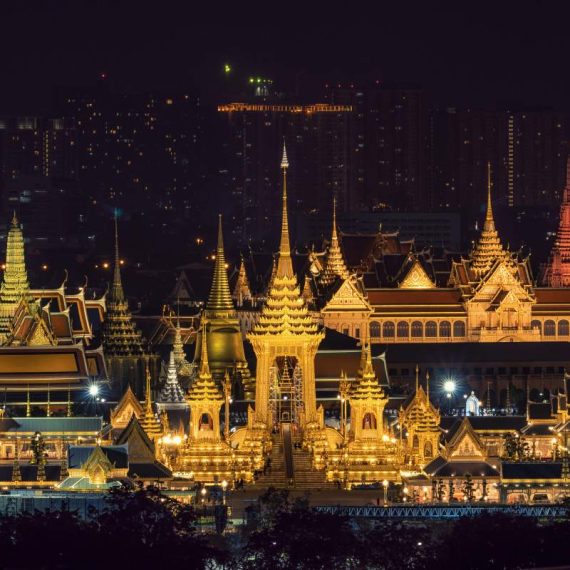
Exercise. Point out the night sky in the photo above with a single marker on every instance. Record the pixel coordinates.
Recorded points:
(465, 53)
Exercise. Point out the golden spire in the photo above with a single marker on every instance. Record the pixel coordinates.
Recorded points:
(149, 422)
(285, 311)
(285, 265)
(335, 267)
(28, 403)
(427, 385)
(48, 410)
(117, 292)
(242, 290)
(417, 378)
(220, 299)
(15, 285)
(488, 248)
(367, 385)
(204, 387)
(120, 335)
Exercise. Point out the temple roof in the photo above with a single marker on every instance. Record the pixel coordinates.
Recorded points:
(335, 267)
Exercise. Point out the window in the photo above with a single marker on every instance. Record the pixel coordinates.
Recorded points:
(428, 449)
(445, 329)
(369, 421)
(415, 442)
(357, 333)
(431, 329)
(388, 330)
(403, 329)
(459, 328)
(536, 325)
(549, 328)
(374, 329)
(417, 329)
(563, 328)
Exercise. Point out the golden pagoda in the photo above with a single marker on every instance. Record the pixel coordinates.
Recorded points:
(224, 338)
(419, 422)
(123, 345)
(148, 420)
(370, 453)
(242, 290)
(335, 267)
(488, 248)
(15, 285)
(286, 329)
(207, 457)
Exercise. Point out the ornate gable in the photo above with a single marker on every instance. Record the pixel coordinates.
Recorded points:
(416, 278)
(127, 407)
(465, 444)
(348, 298)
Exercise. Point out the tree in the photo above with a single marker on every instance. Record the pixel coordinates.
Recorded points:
(468, 488)
(515, 447)
(289, 534)
(39, 455)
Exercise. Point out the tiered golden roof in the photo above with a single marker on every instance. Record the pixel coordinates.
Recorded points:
(420, 414)
(488, 248)
(366, 385)
(171, 392)
(15, 285)
(204, 388)
(285, 311)
(120, 335)
(149, 422)
(336, 266)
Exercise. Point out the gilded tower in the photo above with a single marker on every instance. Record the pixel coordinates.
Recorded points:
(285, 330)
(557, 270)
(335, 267)
(419, 420)
(123, 345)
(223, 333)
(488, 248)
(15, 285)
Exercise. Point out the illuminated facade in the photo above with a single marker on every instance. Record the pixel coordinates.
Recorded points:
(490, 297)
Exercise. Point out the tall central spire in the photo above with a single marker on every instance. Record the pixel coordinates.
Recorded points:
(285, 265)
(117, 291)
(220, 299)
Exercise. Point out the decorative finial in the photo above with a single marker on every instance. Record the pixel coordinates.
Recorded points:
(285, 265)
(427, 385)
(204, 365)
(417, 378)
(489, 219)
(28, 403)
(15, 223)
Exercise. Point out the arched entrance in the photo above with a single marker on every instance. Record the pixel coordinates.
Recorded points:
(286, 391)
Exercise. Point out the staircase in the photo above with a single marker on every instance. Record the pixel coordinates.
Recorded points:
(292, 468)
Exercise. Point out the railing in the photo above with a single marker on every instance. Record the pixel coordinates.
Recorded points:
(444, 511)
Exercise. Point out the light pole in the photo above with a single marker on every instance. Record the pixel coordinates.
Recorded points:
(344, 389)
(385, 485)
(224, 487)
(449, 387)
(227, 386)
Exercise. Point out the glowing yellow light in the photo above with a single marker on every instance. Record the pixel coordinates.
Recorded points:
(44, 267)
(105, 265)
(227, 68)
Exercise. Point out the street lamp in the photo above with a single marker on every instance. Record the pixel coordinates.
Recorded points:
(385, 485)
(224, 487)
(203, 493)
(449, 387)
